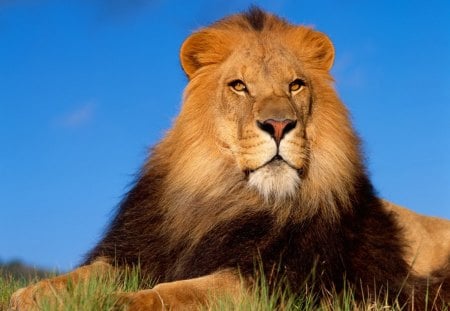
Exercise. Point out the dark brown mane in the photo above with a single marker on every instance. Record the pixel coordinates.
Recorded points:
(256, 18)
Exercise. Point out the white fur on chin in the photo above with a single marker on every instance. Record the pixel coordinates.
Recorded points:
(275, 180)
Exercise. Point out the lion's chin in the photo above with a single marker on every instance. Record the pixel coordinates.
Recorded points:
(275, 180)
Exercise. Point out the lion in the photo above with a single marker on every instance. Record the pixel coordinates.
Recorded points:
(262, 163)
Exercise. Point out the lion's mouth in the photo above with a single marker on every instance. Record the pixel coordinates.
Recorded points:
(274, 164)
(275, 179)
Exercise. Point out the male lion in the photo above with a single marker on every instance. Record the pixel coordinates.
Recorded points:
(263, 164)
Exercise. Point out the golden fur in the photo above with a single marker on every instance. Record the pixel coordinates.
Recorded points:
(219, 154)
(428, 239)
(324, 145)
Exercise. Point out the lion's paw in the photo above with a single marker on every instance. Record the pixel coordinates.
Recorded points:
(144, 300)
(32, 297)
(23, 300)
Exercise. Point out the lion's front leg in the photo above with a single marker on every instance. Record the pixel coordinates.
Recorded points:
(186, 294)
(29, 298)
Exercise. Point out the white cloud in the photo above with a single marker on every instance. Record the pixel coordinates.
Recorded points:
(78, 117)
(347, 71)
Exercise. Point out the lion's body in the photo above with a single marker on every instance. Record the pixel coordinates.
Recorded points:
(427, 239)
(263, 164)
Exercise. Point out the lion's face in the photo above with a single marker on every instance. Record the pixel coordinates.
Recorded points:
(262, 113)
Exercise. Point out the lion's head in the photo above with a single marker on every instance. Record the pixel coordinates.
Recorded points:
(260, 120)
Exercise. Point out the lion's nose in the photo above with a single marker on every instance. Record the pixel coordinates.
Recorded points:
(277, 128)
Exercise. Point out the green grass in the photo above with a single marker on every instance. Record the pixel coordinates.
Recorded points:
(97, 294)
(7, 286)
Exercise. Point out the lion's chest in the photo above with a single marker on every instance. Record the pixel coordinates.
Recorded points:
(255, 241)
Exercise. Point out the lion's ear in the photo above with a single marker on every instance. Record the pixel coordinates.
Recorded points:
(202, 48)
(314, 47)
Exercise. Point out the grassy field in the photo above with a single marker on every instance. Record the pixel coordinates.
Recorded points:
(94, 294)
(97, 294)
(7, 286)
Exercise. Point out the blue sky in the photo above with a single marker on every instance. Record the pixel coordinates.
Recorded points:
(87, 87)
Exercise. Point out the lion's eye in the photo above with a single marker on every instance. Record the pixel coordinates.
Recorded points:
(296, 85)
(238, 86)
